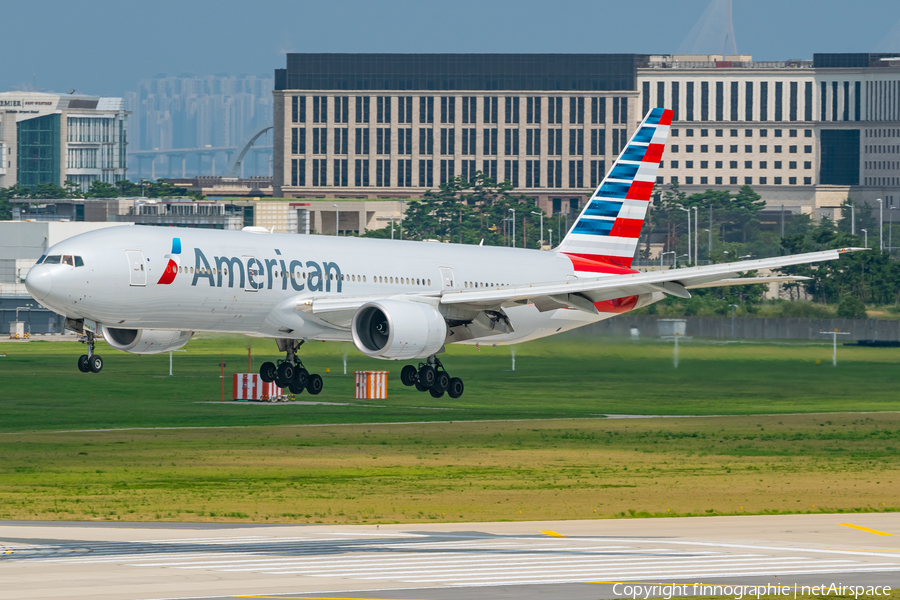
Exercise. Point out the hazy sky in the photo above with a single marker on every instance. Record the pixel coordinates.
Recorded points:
(106, 46)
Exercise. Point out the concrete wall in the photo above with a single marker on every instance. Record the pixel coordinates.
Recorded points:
(752, 328)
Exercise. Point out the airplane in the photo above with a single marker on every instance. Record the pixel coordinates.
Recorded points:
(147, 290)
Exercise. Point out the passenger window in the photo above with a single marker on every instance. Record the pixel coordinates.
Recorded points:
(52, 260)
(79, 262)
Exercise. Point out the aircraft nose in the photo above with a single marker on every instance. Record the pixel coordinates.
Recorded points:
(38, 281)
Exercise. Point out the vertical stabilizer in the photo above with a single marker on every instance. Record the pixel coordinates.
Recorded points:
(605, 236)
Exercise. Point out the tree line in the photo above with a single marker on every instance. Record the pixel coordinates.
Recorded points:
(97, 189)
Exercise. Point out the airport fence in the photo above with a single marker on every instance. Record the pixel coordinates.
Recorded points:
(747, 328)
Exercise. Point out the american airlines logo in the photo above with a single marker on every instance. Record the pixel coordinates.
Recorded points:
(264, 273)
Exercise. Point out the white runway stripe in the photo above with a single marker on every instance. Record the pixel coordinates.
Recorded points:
(646, 567)
(400, 556)
(443, 563)
(582, 574)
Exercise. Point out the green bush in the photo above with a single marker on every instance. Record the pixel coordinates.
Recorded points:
(851, 307)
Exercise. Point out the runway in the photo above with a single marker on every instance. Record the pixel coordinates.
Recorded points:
(563, 559)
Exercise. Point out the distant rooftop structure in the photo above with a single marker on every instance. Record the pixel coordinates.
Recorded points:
(714, 31)
(721, 61)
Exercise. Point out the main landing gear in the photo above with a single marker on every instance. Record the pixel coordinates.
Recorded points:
(290, 373)
(90, 362)
(432, 377)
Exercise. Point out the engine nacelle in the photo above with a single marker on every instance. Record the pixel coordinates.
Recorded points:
(145, 341)
(398, 329)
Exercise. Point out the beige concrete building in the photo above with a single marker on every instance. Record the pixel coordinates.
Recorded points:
(805, 134)
(376, 126)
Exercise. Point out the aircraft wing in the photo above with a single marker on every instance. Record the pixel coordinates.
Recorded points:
(582, 293)
(748, 281)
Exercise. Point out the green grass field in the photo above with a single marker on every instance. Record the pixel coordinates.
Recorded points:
(134, 444)
(462, 471)
(574, 377)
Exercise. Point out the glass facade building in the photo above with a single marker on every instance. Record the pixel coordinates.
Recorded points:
(53, 138)
(38, 151)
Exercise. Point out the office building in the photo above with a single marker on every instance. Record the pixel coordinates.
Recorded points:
(805, 134)
(395, 125)
(54, 138)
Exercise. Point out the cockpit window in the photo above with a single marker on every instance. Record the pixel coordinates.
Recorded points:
(41, 259)
(79, 262)
(53, 260)
(68, 260)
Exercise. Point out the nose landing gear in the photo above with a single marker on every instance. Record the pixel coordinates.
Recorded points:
(90, 362)
(433, 378)
(290, 372)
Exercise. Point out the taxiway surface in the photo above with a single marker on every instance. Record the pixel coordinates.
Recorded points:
(569, 560)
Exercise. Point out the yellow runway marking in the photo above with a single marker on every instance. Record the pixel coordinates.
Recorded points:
(553, 534)
(866, 529)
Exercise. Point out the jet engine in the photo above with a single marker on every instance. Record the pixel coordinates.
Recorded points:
(398, 330)
(145, 341)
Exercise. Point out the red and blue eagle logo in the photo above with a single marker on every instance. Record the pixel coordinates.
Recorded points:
(173, 265)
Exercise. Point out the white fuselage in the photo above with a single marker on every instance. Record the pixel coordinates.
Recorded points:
(253, 283)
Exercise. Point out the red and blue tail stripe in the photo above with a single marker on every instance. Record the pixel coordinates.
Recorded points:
(605, 236)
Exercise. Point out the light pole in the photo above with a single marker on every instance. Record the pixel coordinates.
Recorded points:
(513, 211)
(392, 223)
(881, 221)
(852, 218)
(337, 219)
(733, 306)
(541, 213)
(675, 260)
(696, 234)
(688, 211)
(834, 335)
(661, 255)
(866, 243)
(891, 229)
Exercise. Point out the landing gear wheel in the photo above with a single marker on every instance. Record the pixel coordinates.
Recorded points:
(441, 382)
(314, 385)
(82, 364)
(455, 390)
(427, 375)
(284, 375)
(436, 393)
(409, 375)
(421, 387)
(95, 363)
(296, 388)
(301, 378)
(267, 372)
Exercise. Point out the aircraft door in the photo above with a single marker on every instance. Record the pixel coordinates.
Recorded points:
(447, 281)
(254, 269)
(137, 269)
